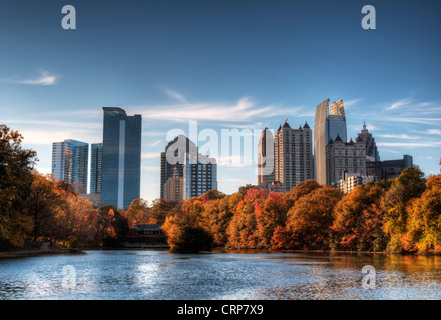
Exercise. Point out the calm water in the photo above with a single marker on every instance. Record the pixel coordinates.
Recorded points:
(161, 275)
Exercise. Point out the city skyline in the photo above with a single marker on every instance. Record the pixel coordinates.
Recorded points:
(250, 66)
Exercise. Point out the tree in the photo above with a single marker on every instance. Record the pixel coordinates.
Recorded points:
(409, 185)
(191, 240)
(424, 223)
(16, 165)
(270, 215)
(311, 219)
(302, 189)
(359, 219)
(139, 213)
(159, 210)
(42, 205)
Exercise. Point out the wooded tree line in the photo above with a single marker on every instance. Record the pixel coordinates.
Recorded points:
(36, 207)
(397, 215)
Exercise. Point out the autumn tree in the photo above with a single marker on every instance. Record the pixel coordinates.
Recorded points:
(424, 222)
(300, 190)
(243, 225)
(409, 185)
(310, 220)
(269, 215)
(216, 217)
(359, 219)
(160, 209)
(16, 165)
(139, 213)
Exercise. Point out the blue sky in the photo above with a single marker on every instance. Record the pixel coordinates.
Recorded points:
(225, 64)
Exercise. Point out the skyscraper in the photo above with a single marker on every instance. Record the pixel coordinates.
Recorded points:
(293, 155)
(121, 164)
(266, 172)
(69, 163)
(96, 167)
(185, 173)
(372, 153)
(330, 122)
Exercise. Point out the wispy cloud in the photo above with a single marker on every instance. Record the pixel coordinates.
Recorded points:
(43, 79)
(351, 103)
(175, 95)
(150, 155)
(398, 136)
(429, 131)
(246, 109)
(409, 144)
(400, 103)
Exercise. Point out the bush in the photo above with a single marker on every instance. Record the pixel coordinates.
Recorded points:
(192, 240)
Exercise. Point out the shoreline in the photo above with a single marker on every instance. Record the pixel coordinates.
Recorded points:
(37, 252)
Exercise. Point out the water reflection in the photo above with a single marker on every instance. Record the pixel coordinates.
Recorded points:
(230, 275)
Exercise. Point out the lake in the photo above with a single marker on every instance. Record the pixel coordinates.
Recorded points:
(150, 274)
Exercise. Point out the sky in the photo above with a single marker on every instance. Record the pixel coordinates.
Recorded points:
(222, 65)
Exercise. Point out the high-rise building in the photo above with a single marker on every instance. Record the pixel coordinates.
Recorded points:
(96, 167)
(344, 157)
(185, 173)
(384, 170)
(330, 122)
(70, 162)
(293, 155)
(372, 153)
(266, 172)
(121, 164)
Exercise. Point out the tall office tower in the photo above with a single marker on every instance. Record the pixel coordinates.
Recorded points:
(200, 175)
(266, 172)
(293, 155)
(185, 171)
(172, 160)
(330, 122)
(344, 157)
(96, 167)
(372, 153)
(121, 164)
(69, 163)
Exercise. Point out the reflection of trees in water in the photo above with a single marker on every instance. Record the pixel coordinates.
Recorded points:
(339, 276)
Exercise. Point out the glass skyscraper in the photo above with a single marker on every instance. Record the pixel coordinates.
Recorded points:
(330, 122)
(186, 172)
(69, 163)
(121, 162)
(96, 167)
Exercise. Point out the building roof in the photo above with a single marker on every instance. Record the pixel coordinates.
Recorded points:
(286, 125)
(338, 138)
(306, 125)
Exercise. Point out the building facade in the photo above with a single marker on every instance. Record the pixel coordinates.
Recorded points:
(384, 170)
(121, 162)
(266, 172)
(185, 173)
(350, 181)
(341, 157)
(96, 167)
(330, 122)
(372, 153)
(293, 155)
(70, 160)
